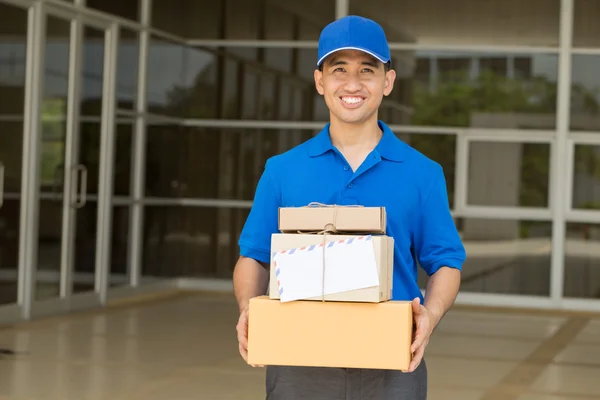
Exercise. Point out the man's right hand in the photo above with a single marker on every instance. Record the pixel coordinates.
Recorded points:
(242, 333)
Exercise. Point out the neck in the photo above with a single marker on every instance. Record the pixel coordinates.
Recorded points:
(363, 136)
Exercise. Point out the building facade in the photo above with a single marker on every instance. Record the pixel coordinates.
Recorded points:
(133, 133)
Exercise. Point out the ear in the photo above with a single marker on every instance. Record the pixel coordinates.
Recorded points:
(390, 78)
(319, 81)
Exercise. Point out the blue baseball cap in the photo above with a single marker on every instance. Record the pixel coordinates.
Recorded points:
(354, 33)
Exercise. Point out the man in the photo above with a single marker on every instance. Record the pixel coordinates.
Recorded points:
(356, 159)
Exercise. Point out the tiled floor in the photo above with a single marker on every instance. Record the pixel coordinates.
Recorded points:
(185, 348)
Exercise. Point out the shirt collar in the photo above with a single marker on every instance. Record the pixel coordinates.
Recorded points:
(389, 147)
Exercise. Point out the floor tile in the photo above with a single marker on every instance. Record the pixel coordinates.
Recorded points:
(565, 380)
(582, 354)
(479, 347)
(538, 396)
(500, 325)
(590, 334)
(454, 394)
(467, 374)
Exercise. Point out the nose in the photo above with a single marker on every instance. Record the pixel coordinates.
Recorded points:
(352, 83)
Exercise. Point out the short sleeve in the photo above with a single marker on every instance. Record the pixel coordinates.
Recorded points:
(255, 239)
(436, 240)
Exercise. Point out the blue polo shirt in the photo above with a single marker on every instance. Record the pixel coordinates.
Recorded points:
(409, 185)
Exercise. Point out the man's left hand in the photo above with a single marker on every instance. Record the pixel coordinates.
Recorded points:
(424, 323)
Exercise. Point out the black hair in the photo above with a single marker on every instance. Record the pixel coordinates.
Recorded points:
(386, 67)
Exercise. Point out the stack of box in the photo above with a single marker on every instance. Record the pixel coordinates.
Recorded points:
(329, 296)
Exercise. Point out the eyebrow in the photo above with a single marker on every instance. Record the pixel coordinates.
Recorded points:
(371, 62)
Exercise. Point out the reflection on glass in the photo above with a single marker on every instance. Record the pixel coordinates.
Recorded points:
(127, 70)
(11, 146)
(54, 113)
(13, 54)
(126, 9)
(191, 241)
(508, 174)
(586, 32)
(481, 90)
(93, 72)
(212, 163)
(505, 256)
(582, 261)
(243, 19)
(586, 177)
(181, 80)
(85, 247)
(585, 93)
(453, 89)
(13, 51)
(89, 155)
(507, 22)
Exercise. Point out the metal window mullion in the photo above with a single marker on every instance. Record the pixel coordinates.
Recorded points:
(19, 3)
(29, 209)
(107, 150)
(136, 211)
(71, 158)
(560, 153)
(342, 7)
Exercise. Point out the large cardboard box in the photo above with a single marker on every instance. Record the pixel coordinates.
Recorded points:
(330, 334)
(345, 219)
(384, 256)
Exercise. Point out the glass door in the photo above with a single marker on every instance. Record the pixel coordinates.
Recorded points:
(70, 270)
(13, 62)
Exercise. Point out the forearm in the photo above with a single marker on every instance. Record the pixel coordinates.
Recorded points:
(441, 293)
(250, 279)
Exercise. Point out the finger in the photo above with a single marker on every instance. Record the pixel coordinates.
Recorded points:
(243, 353)
(417, 357)
(416, 305)
(242, 335)
(419, 338)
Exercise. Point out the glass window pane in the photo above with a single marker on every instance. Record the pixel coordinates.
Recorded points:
(582, 261)
(13, 59)
(92, 72)
(211, 163)
(495, 22)
(181, 80)
(191, 241)
(127, 70)
(468, 89)
(246, 83)
(586, 32)
(508, 174)
(586, 178)
(243, 19)
(128, 9)
(505, 256)
(585, 93)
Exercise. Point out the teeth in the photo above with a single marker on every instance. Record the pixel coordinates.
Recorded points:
(352, 100)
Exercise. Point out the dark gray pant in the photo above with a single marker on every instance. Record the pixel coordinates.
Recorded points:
(300, 383)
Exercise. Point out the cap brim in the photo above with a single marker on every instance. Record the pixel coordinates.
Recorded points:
(377, 56)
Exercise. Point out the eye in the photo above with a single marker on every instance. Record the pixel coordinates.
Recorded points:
(338, 69)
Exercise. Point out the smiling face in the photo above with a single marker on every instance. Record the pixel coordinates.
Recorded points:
(353, 84)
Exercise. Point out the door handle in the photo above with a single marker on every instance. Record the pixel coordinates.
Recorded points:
(1, 185)
(82, 200)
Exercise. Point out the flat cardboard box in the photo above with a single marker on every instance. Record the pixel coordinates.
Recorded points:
(384, 256)
(330, 334)
(348, 219)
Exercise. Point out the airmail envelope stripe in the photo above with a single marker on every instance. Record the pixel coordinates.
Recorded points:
(329, 244)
